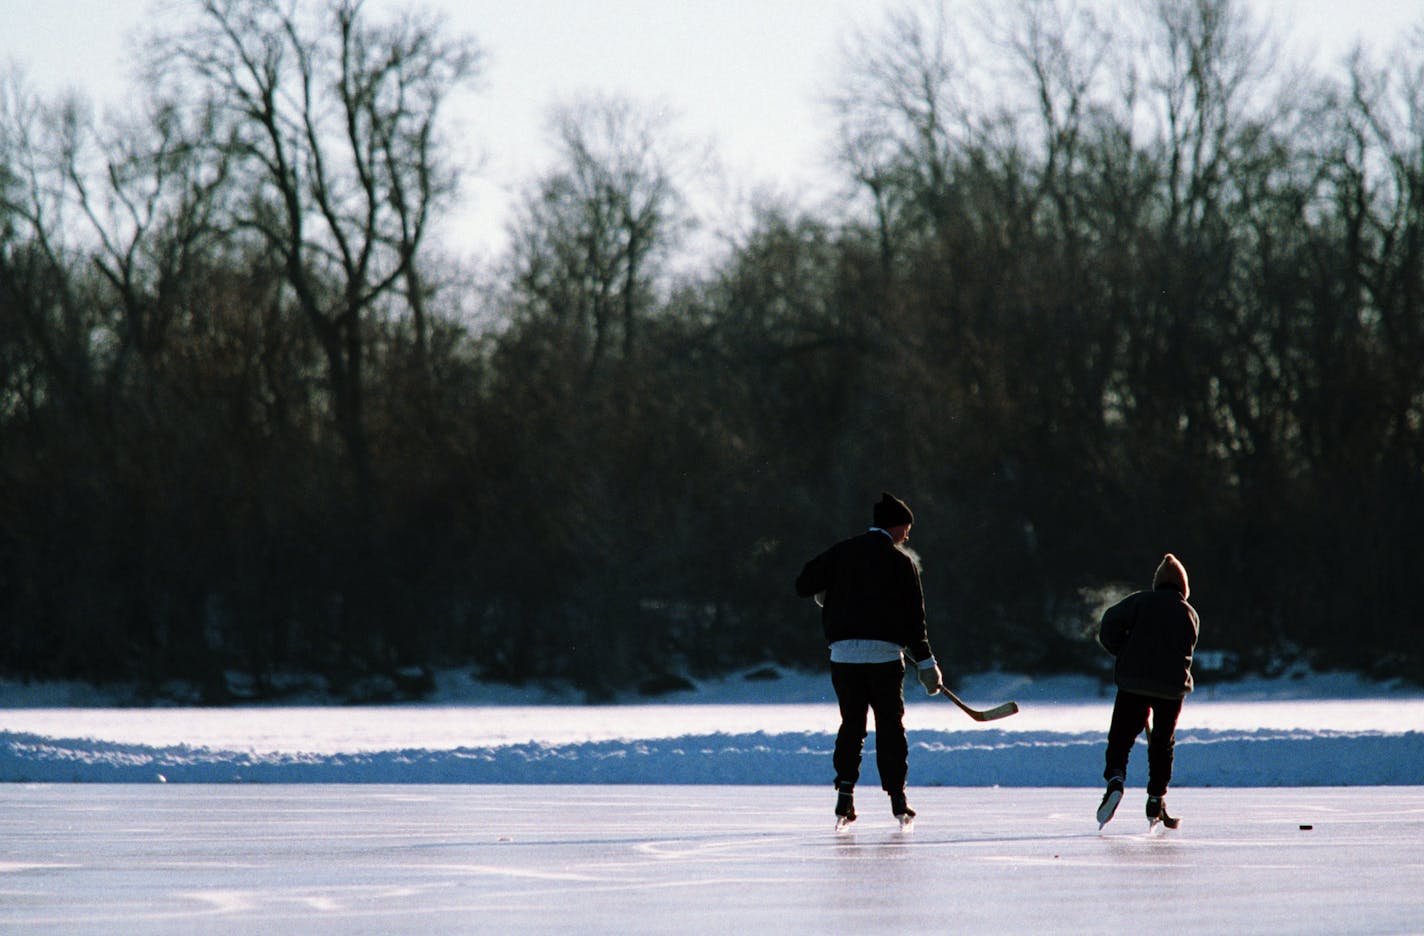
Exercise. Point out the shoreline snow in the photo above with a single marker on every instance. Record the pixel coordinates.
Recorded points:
(1315, 730)
(998, 758)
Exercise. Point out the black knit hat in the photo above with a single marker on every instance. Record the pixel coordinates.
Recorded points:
(890, 511)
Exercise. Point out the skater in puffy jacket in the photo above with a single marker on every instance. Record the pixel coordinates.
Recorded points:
(1152, 634)
(872, 612)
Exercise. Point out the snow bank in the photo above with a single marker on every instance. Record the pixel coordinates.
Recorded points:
(1314, 731)
(983, 758)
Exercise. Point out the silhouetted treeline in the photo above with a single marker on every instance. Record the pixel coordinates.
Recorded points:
(1096, 291)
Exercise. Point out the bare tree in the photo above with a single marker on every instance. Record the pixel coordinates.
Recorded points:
(41, 298)
(592, 231)
(332, 122)
(1063, 51)
(1211, 68)
(901, 110)
(153, 204)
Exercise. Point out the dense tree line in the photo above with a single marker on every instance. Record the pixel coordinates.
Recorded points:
(1097, 290)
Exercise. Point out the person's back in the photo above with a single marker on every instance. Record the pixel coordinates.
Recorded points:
(872, 612)
(1152, 634)
(872, 591)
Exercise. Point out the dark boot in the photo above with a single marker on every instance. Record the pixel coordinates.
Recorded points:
(899, 807)
(1111, 797)
(845, 801)
(1157, 812)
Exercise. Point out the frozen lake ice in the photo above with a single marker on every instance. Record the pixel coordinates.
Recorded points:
(349, 859)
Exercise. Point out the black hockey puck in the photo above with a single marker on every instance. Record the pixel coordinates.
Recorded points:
(1306, 828)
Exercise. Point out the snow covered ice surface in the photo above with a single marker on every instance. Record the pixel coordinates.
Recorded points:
(690, 860)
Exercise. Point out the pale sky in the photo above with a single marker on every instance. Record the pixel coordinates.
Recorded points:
(747, 75)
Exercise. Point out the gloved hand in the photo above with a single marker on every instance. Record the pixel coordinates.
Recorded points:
(931, 679)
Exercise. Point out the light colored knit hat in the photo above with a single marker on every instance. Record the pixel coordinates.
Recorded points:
(1172, 573)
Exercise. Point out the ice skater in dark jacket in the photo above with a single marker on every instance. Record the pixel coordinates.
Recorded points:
(872, 611)
(1152, 634)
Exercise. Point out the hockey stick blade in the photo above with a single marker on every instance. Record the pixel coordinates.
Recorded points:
(998, 711)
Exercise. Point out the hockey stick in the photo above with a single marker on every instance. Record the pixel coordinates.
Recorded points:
(998, 711)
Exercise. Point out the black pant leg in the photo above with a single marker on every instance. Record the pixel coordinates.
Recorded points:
(1129, 717)
(853, 696)
(1162, 744)
(887, 700)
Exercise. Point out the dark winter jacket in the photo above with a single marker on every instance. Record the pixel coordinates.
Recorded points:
(872, 593)
(1152, 634)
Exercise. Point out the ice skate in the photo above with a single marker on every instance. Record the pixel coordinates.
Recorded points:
(1157, 814)
(902, 811)
(1111, 797)
(845, 806)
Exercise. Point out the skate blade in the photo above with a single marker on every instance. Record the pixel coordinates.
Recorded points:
(907, 823)
(843, 824)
